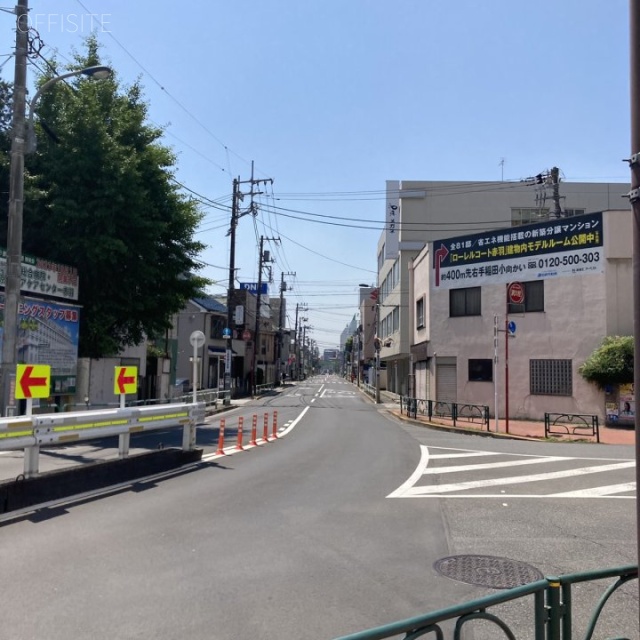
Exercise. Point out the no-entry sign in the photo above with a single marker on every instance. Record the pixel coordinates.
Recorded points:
(515, 293)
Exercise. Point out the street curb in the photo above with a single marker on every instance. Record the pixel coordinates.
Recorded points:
(475, 432)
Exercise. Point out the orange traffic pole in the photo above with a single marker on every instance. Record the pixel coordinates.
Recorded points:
(254, 426)
(265, 431)
(239, 446)
(220, 451)
(275, 424)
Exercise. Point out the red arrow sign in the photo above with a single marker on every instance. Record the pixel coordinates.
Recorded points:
(124, 380)
(26, 381)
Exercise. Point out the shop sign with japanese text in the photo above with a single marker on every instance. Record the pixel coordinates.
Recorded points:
(551, 249)
(43, 277)
(48, 334)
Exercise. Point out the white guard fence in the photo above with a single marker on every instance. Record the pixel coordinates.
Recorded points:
(32, 432)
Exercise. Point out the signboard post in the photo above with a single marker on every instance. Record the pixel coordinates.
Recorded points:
(197, 340)
(33, 381)
(125, 380)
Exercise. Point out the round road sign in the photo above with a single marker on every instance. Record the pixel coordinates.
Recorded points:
(246, 335)
(196, 339)
(515, 293)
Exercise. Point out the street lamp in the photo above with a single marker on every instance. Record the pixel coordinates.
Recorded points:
(98, 72)
(16, 201)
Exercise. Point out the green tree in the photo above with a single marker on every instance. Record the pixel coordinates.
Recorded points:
(610, 363)
(102, 198)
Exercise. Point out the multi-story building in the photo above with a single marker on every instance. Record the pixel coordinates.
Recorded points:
(426, 211)
(366, 333)
(506, 318)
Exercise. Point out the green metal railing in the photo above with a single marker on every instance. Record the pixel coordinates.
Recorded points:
(552, 617)
(471, 413)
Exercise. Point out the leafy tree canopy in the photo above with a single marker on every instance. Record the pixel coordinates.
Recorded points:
(101, 197)
(610, 363)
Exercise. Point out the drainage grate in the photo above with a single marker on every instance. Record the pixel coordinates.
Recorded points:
(487, 571)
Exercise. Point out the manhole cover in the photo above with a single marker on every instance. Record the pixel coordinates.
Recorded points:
(487, 571)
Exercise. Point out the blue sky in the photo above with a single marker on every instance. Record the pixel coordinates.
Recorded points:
(331, 98)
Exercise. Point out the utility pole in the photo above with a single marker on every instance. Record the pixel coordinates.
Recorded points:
(634, 198)
(16, 200)
(304, 348)
(295, 341)
(236, 214)
(262, 258)
(283, 288)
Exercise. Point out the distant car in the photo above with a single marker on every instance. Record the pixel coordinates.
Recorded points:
(182, 386)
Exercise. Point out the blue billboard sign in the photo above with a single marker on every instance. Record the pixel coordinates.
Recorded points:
(252, 287)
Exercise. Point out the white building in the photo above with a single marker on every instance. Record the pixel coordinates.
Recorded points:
(576, 276)
(421, 212)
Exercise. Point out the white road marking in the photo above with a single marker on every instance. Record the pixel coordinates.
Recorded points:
(409, 489)
(402, 490)
(496, 482)
(230, 450)
(598, 491)
(491, 465)
(474, 454)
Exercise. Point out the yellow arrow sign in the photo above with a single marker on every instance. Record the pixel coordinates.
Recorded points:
(125, 380)
(33, 381)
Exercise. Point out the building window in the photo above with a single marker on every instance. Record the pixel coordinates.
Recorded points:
(550, 377)
(396, 274)
(480, 370)
(533, 298)
(528, 215)
(396, 319)
(218, 324)
(420, 313)
(464, 302)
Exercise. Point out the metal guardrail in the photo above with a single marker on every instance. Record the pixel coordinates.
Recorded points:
(208, 396)
(470, 413)
(552, 617)
(369, 389)
(571, 424)
(31, 432)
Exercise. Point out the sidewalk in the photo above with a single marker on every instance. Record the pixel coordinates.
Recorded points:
(518, 429)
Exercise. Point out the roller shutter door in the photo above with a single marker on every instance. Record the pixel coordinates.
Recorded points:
(446, 386)
(422, 391)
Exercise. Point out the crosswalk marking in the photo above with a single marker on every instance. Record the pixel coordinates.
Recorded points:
(491, 465)
(597, 491)
(411, 489)
(495, 482)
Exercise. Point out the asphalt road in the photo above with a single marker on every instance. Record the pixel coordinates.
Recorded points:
(333, 528)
